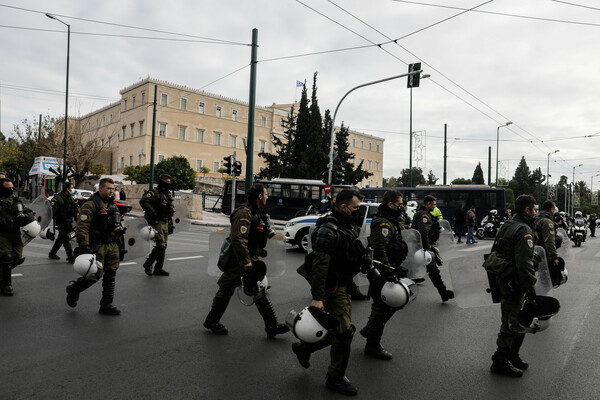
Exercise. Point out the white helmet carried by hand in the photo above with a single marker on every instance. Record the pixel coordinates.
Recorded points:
(31, 230)
(398, 294)
(86, 265)
(311, 324)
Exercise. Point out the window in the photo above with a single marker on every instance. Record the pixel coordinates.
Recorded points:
(141, 128)
(89, 126)
(122, 162)
(130, 160)
(182, 133)
(216, 166)
(263, 146)
(200, 135)
(234, 115)
(103, 120)
(183, 103)
(102, 143)
(143, 97)
(160, 157)
(131, 130)
(370, 146)
(263, 121)
(362, 144)
(139, 159)
(376, 165)
(217, 139)
(219, 111)
(198, 165)
(164, 99)
(233, 141)
(370, 165)
(123, 130)
(201, 107)
(125, 105)
(110, 118)
(162, 129)
(377, 147)
(109, 142)
(353, 142)
(97, 124)
(281, 123)
(133, 101)
(82, 127)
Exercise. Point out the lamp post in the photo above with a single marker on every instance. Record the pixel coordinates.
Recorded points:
(66, 93)
(573, 191)
(332, 143)
(497, 143)
(592, 187)
(548, 175)
(410, 170)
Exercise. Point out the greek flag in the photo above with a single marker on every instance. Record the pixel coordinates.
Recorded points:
(299, 84)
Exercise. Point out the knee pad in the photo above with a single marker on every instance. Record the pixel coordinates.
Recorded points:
(348, 335)
(6, 260)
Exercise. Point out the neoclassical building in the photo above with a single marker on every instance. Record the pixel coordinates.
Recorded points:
(201, 126)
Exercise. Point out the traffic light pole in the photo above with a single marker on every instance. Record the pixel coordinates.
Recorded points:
(332, 136)
(233, 182)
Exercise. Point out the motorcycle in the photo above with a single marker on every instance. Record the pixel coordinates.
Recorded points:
(488, 228)
(578, 231)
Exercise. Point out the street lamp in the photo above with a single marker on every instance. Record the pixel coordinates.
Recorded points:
(497, 143)
(548, 175)
(573, 191)
(66, 94)
(410, 173)
(592, 187)
(332, 144)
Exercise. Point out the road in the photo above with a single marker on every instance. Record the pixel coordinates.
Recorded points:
(158, 348)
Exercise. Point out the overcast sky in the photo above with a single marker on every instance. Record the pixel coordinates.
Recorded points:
(534, 63)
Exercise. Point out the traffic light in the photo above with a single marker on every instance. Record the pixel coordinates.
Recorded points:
(413, 80)
(338, 175)
(237, 168)
(326, 176)
(227, 165)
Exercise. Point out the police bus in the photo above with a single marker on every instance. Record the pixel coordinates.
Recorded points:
(483, 197)
(288, 198)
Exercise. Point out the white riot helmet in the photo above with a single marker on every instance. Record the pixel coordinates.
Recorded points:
(148, 233)
(86, 265)
(311, 324)
(254, 284)
(494, 212)
(398, 294)
(423, 257)
(31, 230)
(47, 234)
(578, 214)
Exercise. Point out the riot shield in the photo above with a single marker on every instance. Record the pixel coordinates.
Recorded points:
(470, 281)
(215, 242)
(415, 261)
(136, 238)
(43, 211)
(277, 256)
(543, 286)
(181, 218)
(565, 250)
(446, 241)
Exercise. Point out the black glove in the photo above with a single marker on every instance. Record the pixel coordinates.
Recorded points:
(82, 250)
(249, 283)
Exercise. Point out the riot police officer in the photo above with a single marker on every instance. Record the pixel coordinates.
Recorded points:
(335, 260)
(13, 215)
(429, 228)
(391, 250)
(64, 212)
(158, 209)
(249, 234)
(515, 244)
(98, 232)
(545, 231)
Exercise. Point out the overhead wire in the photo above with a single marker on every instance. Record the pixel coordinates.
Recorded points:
(577, 5)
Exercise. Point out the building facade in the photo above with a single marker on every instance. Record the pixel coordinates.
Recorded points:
(201, 126)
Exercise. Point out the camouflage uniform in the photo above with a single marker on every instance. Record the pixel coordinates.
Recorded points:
(390, 249)
(64, 212)
(429, 228)
(11, 245)
(545, 231)
(248, 240)
(98, 229)
(514, 243)
(158, 210)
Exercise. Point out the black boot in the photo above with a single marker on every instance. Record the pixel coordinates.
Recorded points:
(513, 355)
(374, 349)
(303, 350)
(341, 385)
(214, 315)
(6, 288)
(501, 366)
(436, 279)
(355, 293)
(77, 287)
(150, 260)
(272, 327)
(160, 260)
(69, 250)
(108, 293)
(55, 247)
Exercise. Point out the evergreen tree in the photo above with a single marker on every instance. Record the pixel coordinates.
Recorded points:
(352, 175)
(281, 164)
(431, 178)
(521, 183)
(314, 156)
(417, 174)
(461, 181)
(478, 178)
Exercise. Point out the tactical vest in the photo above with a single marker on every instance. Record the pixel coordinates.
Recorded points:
(257, 239)
(106, 218)
(434, 232)
(344, 262)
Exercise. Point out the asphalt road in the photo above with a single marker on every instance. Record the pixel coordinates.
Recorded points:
(158, 349)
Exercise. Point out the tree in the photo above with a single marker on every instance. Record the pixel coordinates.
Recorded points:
(431, 178)
(418, 178)
(178, 167)
(315, 152)
(98, 169)
(521, 183)
(478, 178)
(461, 181)
(281, 163)
(390, 182)
(352, 175)
(509, 196)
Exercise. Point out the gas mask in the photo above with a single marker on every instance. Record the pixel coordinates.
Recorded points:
(5, 192)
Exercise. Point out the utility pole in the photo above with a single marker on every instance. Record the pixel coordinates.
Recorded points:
(445, 150)
(153, 138)
(251, 113)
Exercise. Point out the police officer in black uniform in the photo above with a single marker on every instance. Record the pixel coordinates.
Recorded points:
(64, 211)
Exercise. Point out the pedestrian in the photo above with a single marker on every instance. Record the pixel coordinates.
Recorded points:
(592, 222)
(157, 204)
(117, 194)
(391, 250)
(98, 232)
(508, 214)
(64, 212)
(429, 228)
(514, 243)
(248, 239)
(123, 196)
(332, 268)
(13, 215)
(471, 220)
(545, 232)
(459, 222)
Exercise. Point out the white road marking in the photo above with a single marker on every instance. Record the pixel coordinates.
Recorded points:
(16, 275)
(128, 263)
(184, 258)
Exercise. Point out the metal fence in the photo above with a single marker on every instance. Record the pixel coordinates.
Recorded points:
(212, 202)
